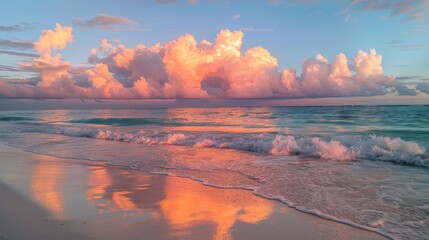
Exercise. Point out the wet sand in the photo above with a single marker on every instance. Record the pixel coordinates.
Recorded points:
(44, 197)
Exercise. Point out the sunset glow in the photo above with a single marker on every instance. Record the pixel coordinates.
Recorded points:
(184, 67)
(214, 119)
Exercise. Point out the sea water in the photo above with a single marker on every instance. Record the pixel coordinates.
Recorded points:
(366, 166)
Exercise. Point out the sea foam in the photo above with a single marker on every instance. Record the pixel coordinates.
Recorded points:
(342, 148)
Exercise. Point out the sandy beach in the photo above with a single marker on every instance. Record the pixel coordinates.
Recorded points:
(50, 198)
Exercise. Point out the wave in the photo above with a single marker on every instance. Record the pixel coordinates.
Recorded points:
(144, 121)
(128, 121)
(342, 148)
(14, 119)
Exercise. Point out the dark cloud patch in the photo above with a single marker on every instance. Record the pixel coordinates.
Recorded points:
(166, 1)
(16, 28)
(105, 22)
(407, 46)
(6, 68)
(18, 54)
(28, 81)
(423, 87)
(401, 66)
(404, 90)
(12, 44)
(406, 78)
(409, 10)
(292, 2)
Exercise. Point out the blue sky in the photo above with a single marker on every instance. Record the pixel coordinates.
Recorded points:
(290, 30)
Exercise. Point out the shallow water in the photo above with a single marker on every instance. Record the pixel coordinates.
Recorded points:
(366, 166)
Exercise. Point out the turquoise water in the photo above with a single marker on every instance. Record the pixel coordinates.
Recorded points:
(366, 166)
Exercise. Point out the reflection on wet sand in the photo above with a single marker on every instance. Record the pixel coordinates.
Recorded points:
(101, 194)
(185, 206)
(181, 204)
(139, 205)
(46, 184)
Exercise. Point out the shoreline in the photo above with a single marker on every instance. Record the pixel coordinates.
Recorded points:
(93, 200)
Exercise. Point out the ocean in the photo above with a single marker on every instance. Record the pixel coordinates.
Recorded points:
(366, 166)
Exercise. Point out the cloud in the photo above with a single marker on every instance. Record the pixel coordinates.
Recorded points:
(12, 44)
(409, 10)
(236, 17)
(106, 22)
(423, 87)
(292, 2)
(51, 68)
(53, 40)
(406, 46)
(185, 68)
(406, 78)
(401, 66)
(16, 28)
(347, 18)
(168, 1)
(404, 90)
(252, 29)
(19, 54)
(6, 68)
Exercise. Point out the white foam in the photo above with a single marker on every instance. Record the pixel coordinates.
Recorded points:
(342, 148)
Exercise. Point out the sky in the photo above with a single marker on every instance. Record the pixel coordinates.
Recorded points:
(282, 49)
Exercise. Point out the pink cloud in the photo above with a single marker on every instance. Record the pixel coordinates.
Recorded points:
(185, 68)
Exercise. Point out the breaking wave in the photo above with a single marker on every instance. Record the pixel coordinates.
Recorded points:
(340, 148)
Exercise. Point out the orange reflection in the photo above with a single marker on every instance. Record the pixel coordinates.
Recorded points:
(46, 184)
(98, 181)
(99, 194)
(187, 204)
(122, 201)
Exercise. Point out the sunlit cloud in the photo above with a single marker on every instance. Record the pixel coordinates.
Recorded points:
(185, 68)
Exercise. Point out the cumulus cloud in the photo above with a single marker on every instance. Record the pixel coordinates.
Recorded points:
(106, 22)
(51, 68)
(186, 68)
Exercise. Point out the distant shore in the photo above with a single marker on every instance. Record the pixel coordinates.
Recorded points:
(50, 198)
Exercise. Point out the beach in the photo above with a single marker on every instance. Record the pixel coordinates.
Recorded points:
(44, 197)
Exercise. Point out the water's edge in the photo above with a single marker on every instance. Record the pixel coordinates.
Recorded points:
(206, 183)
